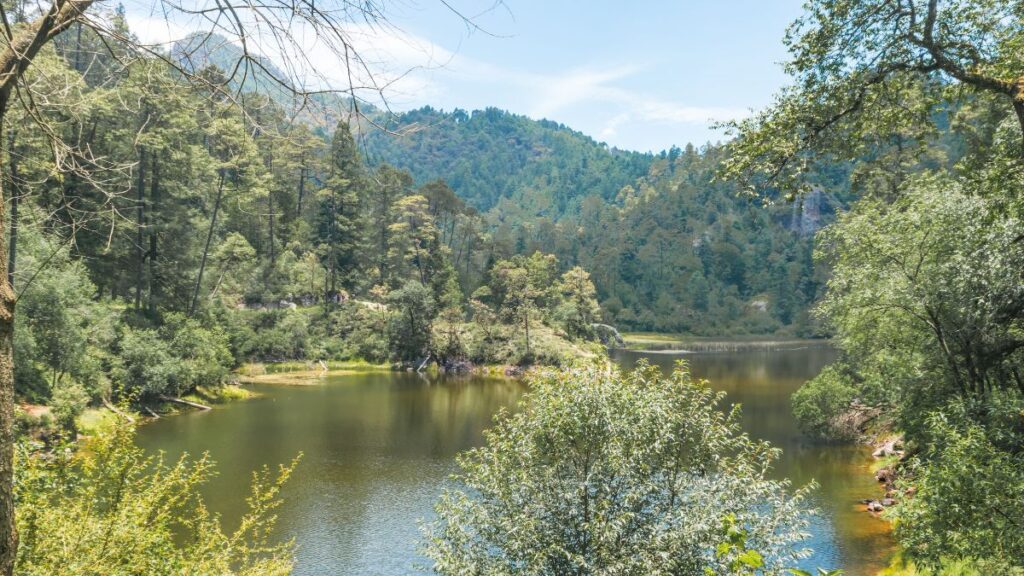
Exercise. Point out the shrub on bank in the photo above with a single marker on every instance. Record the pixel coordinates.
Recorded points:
(109, 509)
(611, 473)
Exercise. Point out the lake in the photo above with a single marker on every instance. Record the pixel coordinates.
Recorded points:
(377, 449)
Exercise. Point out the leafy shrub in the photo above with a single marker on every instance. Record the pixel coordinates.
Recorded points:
(611, 473)
(109, 509)
(969, 498)
(145, 364)
(67, 402)
(819, 403)
(204, 352)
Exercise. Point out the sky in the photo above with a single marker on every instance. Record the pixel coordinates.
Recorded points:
(641, 75)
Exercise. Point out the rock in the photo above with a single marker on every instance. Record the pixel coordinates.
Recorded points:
(883, 475)
(888, 502)
(875, 506)
(514, 371)
(893, 447)
(457, 367)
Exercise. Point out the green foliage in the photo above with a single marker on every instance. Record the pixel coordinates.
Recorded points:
(172, 360)
(579, 309)
(69, 400)
(412, 310)
(819, 404)
(489, 156)
(62, 333)
(877, 79)
(969, 498)
(900, 566)
(923, 297)
(203, 354)
(338, 227)
(145, 365)
(607, 472)
(108, 509)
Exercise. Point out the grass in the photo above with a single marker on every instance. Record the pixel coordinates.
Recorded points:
(254, 369)
(652, 337)
(92, 420)
(667, 341)
(219, 394)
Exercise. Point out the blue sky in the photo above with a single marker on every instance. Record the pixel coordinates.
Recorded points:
(640, 75)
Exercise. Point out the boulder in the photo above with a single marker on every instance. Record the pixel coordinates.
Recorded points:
(884, 475)
(893, 447)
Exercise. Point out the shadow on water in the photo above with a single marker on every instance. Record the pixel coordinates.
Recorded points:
(378, 448)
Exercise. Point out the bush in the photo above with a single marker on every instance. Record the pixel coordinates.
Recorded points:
(819, 404)
(412, 312)
(606, 473)
(173, 360)
(108, 509)
(68, 401)
(969, 501)
(204, 352)
(145, 365)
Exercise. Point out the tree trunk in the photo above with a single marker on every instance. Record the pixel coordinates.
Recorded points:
(1018, 107)
(15, 57)
(15, 198)
(140, 251)
(154, 196)
(206, 249)
(8, 530)
(302, 190)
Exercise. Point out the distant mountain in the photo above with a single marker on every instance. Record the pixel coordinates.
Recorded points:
(489, 156)
(199, 51)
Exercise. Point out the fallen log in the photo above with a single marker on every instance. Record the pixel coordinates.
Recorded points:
(424, 363)
(185, 402)
(110, 406)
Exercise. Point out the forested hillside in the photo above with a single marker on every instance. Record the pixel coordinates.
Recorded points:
(670, 249)
(210, 231)
(531, 168)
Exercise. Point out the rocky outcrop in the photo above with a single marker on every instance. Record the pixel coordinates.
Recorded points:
(806, 217)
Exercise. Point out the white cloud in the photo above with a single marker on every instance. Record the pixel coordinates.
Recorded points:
(409, 71)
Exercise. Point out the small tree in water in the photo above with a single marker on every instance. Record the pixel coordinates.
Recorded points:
(611, 473)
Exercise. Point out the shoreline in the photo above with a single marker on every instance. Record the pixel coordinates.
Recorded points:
(657, 342)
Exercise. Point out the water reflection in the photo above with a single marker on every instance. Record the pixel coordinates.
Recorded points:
(378, 447)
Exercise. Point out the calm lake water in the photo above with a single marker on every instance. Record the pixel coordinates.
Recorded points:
(378, 447)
